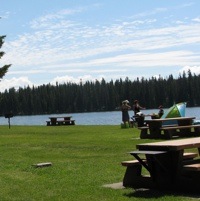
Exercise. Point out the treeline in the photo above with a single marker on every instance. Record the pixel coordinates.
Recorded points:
(101, 96)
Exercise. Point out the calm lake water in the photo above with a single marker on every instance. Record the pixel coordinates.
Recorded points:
(92, 118)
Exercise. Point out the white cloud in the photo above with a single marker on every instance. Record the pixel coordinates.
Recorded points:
(44, 49)
(29, 72)
(179, 22)
(71, 79)
(61, 42)
(50, 20)
(196, 19)
(194, 69)
(146, 59)
(14, 82)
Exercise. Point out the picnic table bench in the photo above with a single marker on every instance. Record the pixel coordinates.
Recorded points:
(133, 174)
(59, 121)
(171, 168)
(169, 164)
(158, 128)
(181, 131)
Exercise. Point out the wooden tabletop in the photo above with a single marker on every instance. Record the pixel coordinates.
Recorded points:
(171, 119)
(59, 117)
(171, 145)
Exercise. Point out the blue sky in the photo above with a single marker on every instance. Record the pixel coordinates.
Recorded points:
(49, 41)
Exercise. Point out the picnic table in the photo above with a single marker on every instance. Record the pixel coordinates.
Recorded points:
(58, 121)
(169, 127)
(168, 166)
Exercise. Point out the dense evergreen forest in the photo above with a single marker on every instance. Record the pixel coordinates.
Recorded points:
(101, 96)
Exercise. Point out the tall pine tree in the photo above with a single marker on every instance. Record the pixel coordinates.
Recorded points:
(4, 69)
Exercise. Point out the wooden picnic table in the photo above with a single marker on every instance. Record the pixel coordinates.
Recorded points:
(166, 165)
(57, 121)
(169, 126)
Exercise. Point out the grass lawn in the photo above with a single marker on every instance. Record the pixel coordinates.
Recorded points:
(84, 159)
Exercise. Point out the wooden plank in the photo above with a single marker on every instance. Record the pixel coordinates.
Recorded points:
(60, 122)
(48, 123)
(170, 119)
(144, 132)
(59, 117)
(171, 145)
(192, 167)
(43, 164)
(131, 163)
(180, 127)
(143, 127)
(64, 120)
(186, 155)
(189, 155)
(147, 152)
(181, 130)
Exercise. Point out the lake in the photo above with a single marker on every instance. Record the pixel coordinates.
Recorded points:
(92, 118)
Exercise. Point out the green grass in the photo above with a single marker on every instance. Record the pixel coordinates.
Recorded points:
(84, 159)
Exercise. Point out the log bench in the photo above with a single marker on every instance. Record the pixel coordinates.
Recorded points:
(170, 131)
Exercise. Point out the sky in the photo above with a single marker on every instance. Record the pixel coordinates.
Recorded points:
(61, 41)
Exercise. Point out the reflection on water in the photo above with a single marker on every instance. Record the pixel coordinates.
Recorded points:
(93, 118)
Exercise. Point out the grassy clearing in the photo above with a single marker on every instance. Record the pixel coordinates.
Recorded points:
(84, 159)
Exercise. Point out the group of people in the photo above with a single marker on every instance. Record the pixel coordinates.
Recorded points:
(136, 108)
(139, 116)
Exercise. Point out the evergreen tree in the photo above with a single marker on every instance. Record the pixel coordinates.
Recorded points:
(4, 69)
(101, 95)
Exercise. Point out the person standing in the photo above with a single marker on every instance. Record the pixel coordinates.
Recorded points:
(125, 114)
(139, 118)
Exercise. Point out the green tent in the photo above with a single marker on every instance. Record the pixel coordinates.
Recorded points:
(177, 110)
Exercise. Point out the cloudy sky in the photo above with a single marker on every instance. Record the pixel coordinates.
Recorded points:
(49, 41)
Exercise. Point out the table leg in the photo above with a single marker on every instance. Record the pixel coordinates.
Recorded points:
(154, 128)
(53, 121)
(186, 131)
(165, 168)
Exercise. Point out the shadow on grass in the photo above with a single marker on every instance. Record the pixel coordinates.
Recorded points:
(152, 193)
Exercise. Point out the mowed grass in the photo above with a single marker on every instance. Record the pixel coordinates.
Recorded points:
(84, 159)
